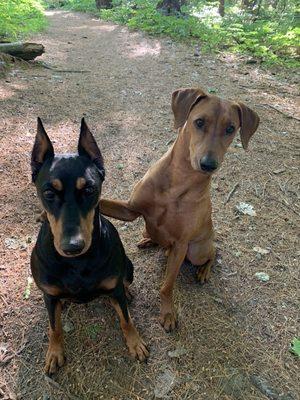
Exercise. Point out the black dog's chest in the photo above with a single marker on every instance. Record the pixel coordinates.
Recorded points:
(81, 284)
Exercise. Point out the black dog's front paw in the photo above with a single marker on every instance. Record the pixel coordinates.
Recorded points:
(55, 359)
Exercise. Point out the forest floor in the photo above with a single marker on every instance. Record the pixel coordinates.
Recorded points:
(234, 332)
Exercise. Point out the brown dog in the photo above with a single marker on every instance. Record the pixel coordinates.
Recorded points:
(174, 195)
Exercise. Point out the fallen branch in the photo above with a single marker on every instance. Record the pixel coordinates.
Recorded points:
(230, 194)
(281, 112)
(26, 51)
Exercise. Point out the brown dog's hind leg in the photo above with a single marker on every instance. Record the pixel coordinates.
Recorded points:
(202, 256)
(55, 355)
(176, 257)
(204, 271)
(136, 345)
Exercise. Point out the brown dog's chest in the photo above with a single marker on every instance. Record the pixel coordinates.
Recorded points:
(170, 219)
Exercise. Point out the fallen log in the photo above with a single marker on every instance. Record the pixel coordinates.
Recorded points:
(26, 51)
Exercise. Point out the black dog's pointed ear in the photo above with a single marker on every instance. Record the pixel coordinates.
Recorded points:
(249, 122)
(41, 151)
(88, 147)
(183, 101)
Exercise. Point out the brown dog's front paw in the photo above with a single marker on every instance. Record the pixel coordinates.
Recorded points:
(168, 321)
(204, 272)
(55, 358)
(137, 348)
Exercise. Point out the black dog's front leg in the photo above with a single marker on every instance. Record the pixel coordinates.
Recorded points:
(136, 345)
(55, 355)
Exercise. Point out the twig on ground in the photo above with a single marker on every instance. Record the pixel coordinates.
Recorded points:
(76, 71)
(59, 387)
(231, 193)
(276, 109)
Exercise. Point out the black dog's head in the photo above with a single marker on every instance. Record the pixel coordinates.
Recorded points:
(69, 187)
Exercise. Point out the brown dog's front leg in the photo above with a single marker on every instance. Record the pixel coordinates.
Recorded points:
(117, 209)
(176, 257)
(55, 355)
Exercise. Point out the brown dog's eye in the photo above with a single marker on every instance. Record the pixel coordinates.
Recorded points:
(199, 122)
(230, 130)
(49, 194)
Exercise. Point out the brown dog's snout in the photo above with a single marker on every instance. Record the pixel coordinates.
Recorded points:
(208, 163)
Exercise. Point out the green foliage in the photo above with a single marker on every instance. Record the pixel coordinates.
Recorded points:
(295, 347)
(76, 5)
(270, 37)
(18, 18)
(93, 331)
(268, 33)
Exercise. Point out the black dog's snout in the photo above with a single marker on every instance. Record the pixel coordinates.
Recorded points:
(208, 164)
(73, 245)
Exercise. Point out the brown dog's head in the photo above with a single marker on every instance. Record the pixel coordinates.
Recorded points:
(212, 124)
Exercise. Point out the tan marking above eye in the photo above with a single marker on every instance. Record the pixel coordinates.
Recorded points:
(80, 183)
(57, 184)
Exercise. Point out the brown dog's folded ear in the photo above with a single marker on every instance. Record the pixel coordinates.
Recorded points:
(183, 101)
(249, 121)
(42, 149)
(88, 147)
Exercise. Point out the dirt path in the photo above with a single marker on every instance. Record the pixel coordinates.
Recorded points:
(234, 332)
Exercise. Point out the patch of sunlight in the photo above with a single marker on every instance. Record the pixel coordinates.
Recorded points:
(144, 49)
(105, 28)
(207, 12)
(8, 92)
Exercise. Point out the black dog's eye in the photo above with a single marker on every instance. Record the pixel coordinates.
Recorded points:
(230, 130)
(199, 122)
(89, 190)
(49, 194)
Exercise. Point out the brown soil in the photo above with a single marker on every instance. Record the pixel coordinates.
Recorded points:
(235, 331)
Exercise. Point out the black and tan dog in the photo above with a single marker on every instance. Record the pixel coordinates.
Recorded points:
(78, 254)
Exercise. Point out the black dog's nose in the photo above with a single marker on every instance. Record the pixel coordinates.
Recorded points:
(208, 164)
(72, 246)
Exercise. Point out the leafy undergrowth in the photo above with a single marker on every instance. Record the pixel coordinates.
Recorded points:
(271, 37)
(18, 18)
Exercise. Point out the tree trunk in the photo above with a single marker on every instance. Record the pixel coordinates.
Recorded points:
(169, 7)
(103, 4)
(222, 8)
(26, 51)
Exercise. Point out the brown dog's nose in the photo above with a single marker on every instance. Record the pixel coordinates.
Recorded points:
(72, 246)
(208, 164)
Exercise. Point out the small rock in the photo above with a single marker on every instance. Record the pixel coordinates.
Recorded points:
(279, 171)
(68, 326)
(178, 352)
(11, 243)
(164, 384)
(261, 251)
(246, 209)
(262, 276)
